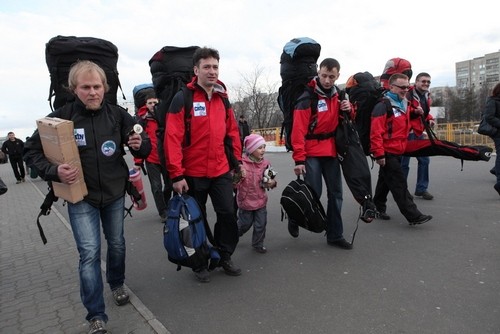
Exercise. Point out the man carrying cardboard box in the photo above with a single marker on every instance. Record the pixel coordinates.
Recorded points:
(101, 130)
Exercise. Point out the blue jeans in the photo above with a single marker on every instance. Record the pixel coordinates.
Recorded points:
(422, 170)
(85, 222)
(329, 169)
(496, 140)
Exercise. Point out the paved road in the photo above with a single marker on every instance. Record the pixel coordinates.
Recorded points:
(440, 277)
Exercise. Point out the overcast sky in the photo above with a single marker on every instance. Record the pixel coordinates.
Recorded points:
(361, 34)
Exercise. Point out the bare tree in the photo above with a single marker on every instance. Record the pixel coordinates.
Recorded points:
(257, 100)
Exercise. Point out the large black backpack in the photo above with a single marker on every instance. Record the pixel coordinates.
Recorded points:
(171, 69)
(63, 51)
(364, 93)
(298, 66)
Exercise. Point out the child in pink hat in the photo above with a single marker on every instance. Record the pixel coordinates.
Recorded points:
(251, 197)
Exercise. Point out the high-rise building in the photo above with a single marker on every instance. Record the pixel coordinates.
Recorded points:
(479, 71)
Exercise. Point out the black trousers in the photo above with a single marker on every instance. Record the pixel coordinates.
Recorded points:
(18, 167)
(391, 178)
(220, 190)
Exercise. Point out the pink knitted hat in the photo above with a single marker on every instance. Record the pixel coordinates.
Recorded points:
(253, 142)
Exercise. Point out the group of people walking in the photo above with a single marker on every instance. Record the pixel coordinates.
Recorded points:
(203, 168)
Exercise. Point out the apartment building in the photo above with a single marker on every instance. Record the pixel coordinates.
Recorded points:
(479, 71)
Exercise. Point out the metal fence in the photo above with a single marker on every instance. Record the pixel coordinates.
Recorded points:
(464, 133)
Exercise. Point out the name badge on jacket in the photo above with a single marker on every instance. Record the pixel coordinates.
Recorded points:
(199, 109)
(322, 106)
(80, 137)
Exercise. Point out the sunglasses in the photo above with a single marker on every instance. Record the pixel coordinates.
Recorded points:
(426, 82)
(402, 87)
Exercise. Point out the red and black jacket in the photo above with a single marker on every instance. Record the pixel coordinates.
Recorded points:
(210, 123)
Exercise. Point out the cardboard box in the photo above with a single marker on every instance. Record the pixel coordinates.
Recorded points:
(59, 146)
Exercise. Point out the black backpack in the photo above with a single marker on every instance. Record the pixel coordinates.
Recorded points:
(171, 69)
(364, 93)
(298, 66)
(303, 206)
(63, 51)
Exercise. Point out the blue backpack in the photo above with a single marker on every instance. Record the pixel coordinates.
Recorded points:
(185, 235)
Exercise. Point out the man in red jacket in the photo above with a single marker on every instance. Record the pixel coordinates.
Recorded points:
(388, 138)
(161, 190)
(314, 151)
(198, 149)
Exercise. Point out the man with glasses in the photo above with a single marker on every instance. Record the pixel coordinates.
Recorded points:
(419, 100)
(388, 137)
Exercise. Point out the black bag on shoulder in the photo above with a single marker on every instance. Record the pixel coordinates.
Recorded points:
(486, 128)
(171, 69)
(298, 67)
(364, 93)
(61, 52)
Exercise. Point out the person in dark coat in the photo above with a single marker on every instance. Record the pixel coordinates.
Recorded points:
(244, 129)
(14, 147)
(103, 129)
(492, 116)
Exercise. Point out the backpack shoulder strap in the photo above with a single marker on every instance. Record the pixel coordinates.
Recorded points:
(50, 198)
(188, 105)
(388, 105)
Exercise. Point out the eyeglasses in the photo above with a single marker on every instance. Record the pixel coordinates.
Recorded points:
(426, 82)
(402, 87)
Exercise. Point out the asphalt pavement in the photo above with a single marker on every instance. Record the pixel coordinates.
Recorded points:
(439, 277)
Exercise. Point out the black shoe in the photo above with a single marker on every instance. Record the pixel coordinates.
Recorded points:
(425, 195)
(202, 275)
(383, 215)
(341, 243)
(97, 326)
(497, 187)
(120, 296)
(420, 220)
(293, 229)
(230, 268)
(261, 250)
